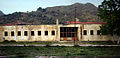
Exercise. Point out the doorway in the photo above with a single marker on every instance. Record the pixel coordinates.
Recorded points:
(68, 33)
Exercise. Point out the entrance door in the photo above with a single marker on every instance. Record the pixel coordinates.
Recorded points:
(68, 33)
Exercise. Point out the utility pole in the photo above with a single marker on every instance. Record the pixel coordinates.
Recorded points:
(75, 17)
(75, 13)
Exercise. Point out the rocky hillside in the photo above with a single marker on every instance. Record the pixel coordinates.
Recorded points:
(85, 12)
(1, 13)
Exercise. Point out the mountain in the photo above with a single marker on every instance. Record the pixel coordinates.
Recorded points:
(85, 12)
(1, 13)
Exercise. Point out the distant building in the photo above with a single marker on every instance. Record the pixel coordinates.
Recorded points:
(80, 31)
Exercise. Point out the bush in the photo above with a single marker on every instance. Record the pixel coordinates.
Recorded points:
(12, 41)
(6, 41)
(76, 45)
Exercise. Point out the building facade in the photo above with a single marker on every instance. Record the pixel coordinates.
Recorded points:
(79, 31)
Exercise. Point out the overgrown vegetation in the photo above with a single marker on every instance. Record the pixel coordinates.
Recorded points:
(59, 51)
(47, 43)
(109, 12)
(33, 42)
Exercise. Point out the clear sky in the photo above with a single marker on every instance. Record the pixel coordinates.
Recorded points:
(10, 6)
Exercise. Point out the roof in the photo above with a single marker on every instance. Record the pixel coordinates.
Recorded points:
(78, 22)
(17, 23)
(68, 22)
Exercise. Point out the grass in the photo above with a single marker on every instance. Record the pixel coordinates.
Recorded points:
(59, 51)
(100, 42)
(67, 42)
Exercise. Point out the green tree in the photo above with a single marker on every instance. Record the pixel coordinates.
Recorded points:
(109, 12)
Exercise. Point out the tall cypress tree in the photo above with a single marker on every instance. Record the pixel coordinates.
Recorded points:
(109, 12)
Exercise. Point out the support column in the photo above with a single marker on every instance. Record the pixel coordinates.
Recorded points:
(15, 32)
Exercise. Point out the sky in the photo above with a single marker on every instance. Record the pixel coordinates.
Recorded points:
(11, 6)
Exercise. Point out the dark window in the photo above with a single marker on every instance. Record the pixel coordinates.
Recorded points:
(6, 33)
(91, 32)
(53, 32)
(98, 32)
(68, 31)
(12, 33)
(39, 33)
(32, 33)
(19, 33)
(25, 33)
(46, 32)
(85, 32)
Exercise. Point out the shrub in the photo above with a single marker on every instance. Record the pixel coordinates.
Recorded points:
(6, 41)
(12, 41)
(76, 45)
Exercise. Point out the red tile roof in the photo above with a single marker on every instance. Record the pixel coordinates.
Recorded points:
(78, 22)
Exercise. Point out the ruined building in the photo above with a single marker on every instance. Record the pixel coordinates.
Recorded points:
(73, 30)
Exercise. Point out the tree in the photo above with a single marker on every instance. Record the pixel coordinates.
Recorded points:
(109, 12)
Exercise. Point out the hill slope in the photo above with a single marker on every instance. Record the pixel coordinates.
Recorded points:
(85, 12)
(1, 13)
